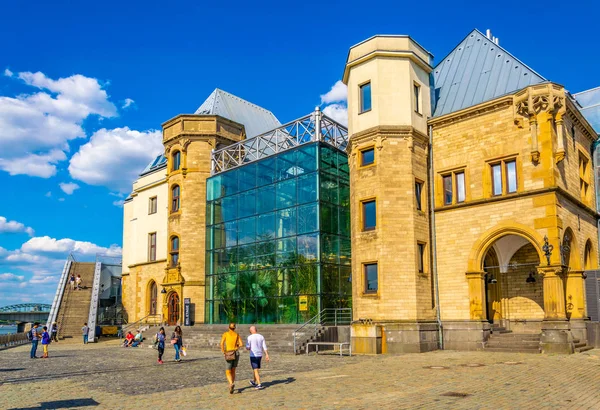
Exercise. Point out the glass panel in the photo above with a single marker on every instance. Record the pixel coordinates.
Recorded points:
(306, 279)
(267, 283)
(231, 233)
(247, 257)
(265, 173)
(219, 236)
(308, 218)
(229, 182)
(370, 278)
(176, 160)
(307, 158)
(267, 310)
(345, 251)
(343, 168)
(308, 248)
(247, 204)
(497, 179)
(247, 230)
(286, 222)
(329, 160)
(369, 215)
(246, 285)
(225, 285)
(209, 238)
(329, 188)
(331, 279)
(213, 188)
(265, 254)
(448, 196)
(367, 157)
(330, 249)
(247, 177)
(365, 97)
(308, 188)
(222, 261)
(246, 310)
(286, 278)
(175, 243)
(346, 280)
(460, 187)
(418, 193)
(265, 199)
(229, 207)
(286, 252)
(313, 309)
(286, 194)
(511, 176)
(344, 222)
(286, 165)
(344, 191)
(420, 256)
(329, 218)
(265, 228)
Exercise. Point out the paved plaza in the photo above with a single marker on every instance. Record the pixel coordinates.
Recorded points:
(106, 376)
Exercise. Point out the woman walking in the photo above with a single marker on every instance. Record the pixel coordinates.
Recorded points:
(160, 344)
(177, 342)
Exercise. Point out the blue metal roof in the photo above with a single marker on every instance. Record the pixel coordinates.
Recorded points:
(477, 70)
(590, 106)
(256, 120)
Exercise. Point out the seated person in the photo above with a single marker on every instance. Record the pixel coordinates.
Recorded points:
(137, 339)
(128, 339)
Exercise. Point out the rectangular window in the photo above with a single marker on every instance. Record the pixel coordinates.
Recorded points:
(369, 218)
(448, 195)
(370, 271)
(460, 187)
(152, 205)
(367, 157)
(419, 194)
(497, 179)
(365, 97)
(152, 247)
(417, 97)
(511, 176)
(421, 257)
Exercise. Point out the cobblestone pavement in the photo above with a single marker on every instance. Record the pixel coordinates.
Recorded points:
(104, 375)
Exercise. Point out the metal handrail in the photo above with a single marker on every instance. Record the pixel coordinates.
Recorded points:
(327, 316)
(141, 321)
(94, 301)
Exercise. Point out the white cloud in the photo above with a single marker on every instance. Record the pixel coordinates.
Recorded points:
(11, 277)
(45, 245)
(68, 188)
(127, 103)
(35, 128)
(338, 93)
(114, 158)
(8, 73)
(48, 194)
(337, 112)
(119, 203)
(7, 226)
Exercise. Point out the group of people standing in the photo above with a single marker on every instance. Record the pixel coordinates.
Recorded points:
(176, 341)
(75, 282)
(36, 335)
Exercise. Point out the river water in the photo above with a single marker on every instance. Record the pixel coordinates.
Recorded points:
(8, 329)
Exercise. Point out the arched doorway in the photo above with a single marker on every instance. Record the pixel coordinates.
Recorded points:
(513, 289)
(152, 298)
(173, 309)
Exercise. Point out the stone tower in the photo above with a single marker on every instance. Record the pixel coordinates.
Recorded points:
(188, 141)
(388, 107)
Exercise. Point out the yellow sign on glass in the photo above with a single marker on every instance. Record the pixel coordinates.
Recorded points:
(303, 303)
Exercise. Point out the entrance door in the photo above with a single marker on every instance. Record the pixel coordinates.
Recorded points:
(173, 305)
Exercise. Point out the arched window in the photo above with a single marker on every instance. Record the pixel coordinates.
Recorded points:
(587, 257)
(175, 198)
(174, 251)
(153, 298)
(176, 161)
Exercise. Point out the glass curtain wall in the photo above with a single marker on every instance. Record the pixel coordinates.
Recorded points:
(278, 238)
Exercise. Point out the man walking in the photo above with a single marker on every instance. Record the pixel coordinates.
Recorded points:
(35, 338)
(256, 345)
(85, 330)
(230, 343)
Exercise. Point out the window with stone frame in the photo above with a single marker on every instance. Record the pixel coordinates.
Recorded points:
(504, 176)
(176, 161)
(152, 247)
(152, 205)
(175, 198)
(370, 277)
(584, 177)
(174, 251)
(454, 187)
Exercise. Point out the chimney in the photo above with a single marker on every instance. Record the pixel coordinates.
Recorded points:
(495, 40)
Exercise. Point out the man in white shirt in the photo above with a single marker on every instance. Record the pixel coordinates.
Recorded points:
(256, 345)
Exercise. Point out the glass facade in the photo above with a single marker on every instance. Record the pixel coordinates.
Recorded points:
(278, 238)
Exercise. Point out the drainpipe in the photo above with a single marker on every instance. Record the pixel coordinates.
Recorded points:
(434, 270)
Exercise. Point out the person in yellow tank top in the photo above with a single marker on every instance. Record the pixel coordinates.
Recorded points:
(230, 343)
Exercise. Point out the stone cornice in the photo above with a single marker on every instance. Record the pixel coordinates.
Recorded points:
(474, 111)
(389, 131)
(147, 263)
(410, 55)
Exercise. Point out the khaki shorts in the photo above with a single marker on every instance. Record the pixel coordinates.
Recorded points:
(232, 364)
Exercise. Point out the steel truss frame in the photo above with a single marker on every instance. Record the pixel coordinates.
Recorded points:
(310, 128)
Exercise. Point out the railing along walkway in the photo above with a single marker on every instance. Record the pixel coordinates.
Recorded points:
(328, 316)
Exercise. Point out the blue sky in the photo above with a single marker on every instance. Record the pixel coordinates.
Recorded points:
(84, 88)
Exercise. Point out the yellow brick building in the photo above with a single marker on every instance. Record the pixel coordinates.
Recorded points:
(472, 201)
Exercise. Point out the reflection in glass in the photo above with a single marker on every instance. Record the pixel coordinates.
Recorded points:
(460, 187)
(448, 190)
(497, 179)
(511, 176)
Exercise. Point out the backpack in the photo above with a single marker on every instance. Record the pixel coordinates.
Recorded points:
(30, 335)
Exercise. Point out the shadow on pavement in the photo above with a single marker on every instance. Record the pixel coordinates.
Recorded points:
(61, 404)
(11, 370)
(270, 384)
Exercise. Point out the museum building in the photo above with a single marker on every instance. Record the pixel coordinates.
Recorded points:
(460, 199)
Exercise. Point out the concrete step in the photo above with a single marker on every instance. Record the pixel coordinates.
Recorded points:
(583, 349)
(512, 349)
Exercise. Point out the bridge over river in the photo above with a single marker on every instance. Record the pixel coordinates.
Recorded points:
(25, 312)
